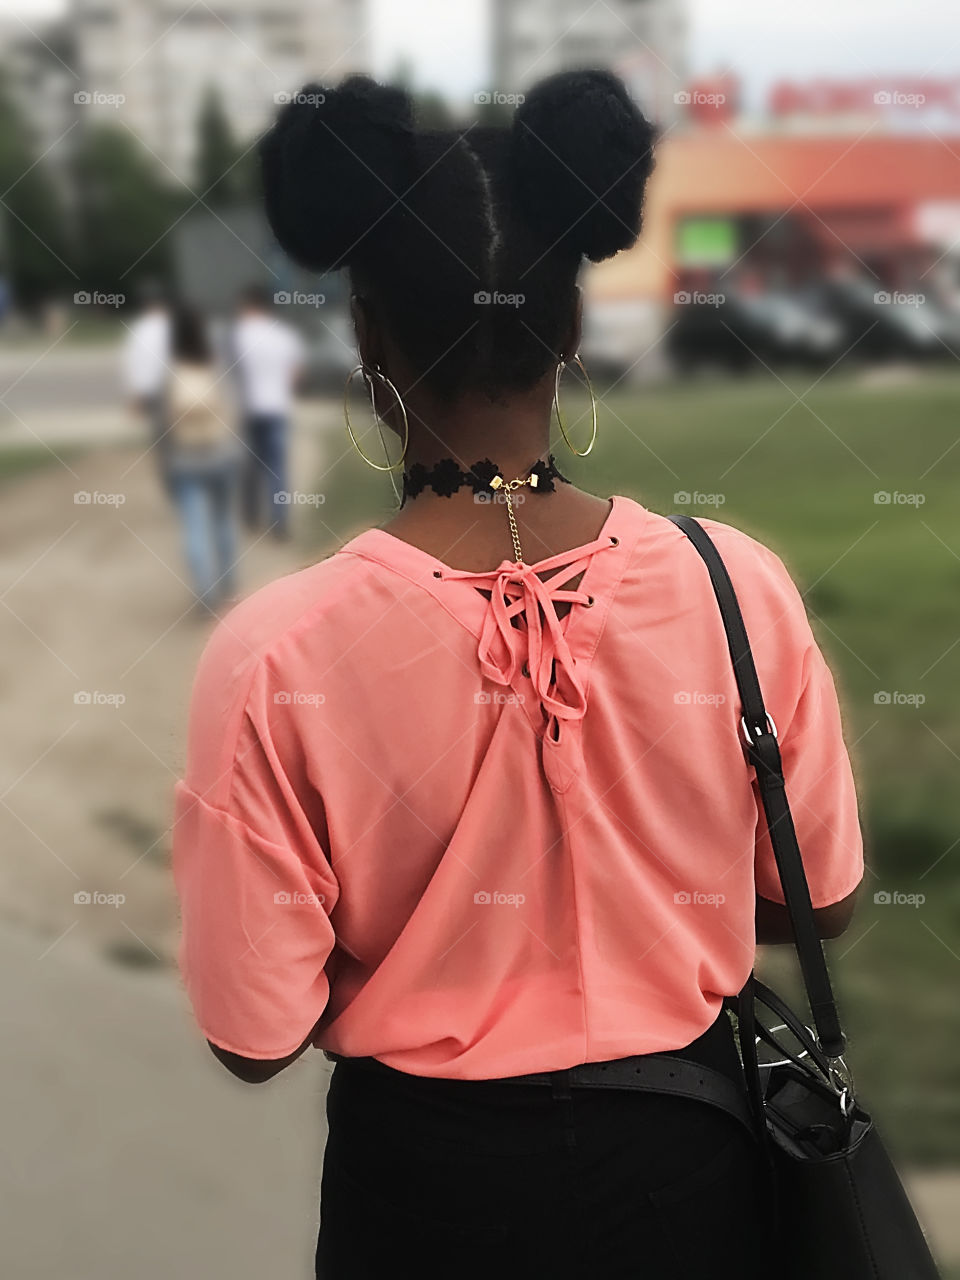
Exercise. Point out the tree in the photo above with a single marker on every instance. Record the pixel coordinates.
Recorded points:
(33, 238)
(125, 212)
(225, 172)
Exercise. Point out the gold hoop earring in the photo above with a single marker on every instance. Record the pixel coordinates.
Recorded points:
(392, 466)
(580, 453)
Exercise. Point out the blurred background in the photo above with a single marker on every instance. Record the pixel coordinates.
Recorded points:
(780, 352)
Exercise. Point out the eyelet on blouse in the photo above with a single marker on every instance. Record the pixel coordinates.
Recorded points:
(437, 573)
(525, 670)
(590, 601)
(615, 542)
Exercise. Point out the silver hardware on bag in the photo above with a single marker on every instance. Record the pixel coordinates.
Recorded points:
(771, 728)
(785, 1061)
(842, 1080)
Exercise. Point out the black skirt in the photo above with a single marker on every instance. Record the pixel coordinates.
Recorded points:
(471, 1178)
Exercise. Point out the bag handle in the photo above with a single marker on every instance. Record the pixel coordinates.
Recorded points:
(763, 752)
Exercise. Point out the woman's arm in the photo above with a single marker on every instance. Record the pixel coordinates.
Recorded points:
(773, 919)
(258, 1070)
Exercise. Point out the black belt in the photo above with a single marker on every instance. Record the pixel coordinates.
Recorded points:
(646, 1073)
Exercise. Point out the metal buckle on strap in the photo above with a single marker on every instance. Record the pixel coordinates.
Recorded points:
(770, 728)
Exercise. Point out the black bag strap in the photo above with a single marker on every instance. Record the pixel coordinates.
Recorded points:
(763, 752)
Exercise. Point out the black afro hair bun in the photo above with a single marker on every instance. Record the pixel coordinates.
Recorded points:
(581, 154)
(334, 164)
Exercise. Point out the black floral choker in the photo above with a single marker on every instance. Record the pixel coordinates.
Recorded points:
(447, 476)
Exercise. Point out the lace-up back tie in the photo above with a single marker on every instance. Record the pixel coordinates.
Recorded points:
(522, 635)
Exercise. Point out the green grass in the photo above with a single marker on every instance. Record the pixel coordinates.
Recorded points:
(882, 585)
(20, 460)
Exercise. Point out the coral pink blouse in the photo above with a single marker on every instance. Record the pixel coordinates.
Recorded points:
(482, 840)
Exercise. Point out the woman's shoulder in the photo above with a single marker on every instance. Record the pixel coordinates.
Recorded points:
(259, 627)
(765, 587)
(740, 550)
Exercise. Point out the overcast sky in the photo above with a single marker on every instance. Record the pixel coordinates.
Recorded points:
(447, 42)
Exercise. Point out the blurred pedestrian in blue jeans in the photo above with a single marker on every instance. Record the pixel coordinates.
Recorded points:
(269, 357)
(204, 462)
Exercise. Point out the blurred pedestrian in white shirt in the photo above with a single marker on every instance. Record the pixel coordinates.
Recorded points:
(203, 461)
(269, 357)
(146, 372)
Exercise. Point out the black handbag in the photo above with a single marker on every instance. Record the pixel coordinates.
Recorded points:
(838, 1208)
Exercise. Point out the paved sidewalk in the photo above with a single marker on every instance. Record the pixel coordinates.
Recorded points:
(128, 1151)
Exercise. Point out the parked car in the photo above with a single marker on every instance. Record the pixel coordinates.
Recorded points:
(738, 331)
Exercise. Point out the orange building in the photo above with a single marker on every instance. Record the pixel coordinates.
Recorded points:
(724, 199)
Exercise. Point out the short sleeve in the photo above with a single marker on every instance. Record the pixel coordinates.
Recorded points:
(252, 876)
(816, 765)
